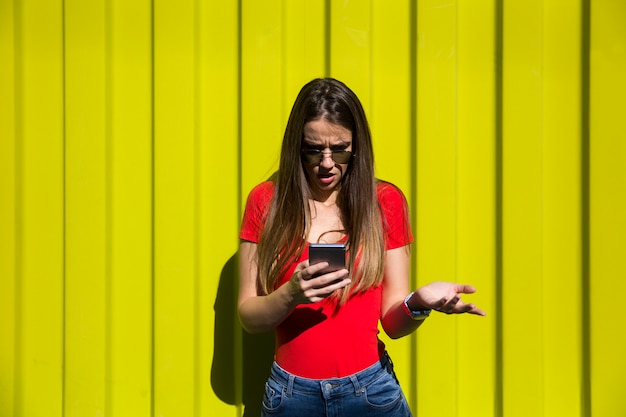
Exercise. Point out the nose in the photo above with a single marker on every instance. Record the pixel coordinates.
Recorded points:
(327, 160)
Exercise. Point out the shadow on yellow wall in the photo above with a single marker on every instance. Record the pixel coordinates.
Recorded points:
(257, 350)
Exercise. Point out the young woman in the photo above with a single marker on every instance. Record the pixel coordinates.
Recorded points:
(329, 360)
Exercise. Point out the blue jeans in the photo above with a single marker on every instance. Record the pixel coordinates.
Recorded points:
(374, 392)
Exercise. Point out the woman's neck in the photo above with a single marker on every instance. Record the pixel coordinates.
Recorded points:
(326, 199)
(325, 221)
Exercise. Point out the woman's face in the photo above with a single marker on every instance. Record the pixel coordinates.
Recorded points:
(325, 175)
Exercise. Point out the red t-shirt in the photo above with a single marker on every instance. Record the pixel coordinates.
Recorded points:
(318, 340)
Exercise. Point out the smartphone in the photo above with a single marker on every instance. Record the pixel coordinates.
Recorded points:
(333, 253)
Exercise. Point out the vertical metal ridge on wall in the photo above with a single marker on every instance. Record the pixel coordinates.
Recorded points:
(328, 37)
(239, 379)
(108, 197)
(585, 145)
(413, 192)
(498, 180)
(153, 228)
(18, 279)
(198, 206)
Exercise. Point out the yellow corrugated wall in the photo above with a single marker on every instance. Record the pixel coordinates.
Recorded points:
(132, 130)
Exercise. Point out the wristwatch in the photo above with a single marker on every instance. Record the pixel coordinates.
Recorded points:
(415, 314)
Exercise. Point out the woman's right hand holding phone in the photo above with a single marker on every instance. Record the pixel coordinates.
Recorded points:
(310, 285)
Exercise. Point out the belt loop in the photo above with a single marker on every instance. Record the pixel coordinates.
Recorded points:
(290, 385)
(358, 390)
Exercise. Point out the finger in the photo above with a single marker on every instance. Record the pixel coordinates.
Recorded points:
(465, 289)
(462, 308)
(301, 275)
(318, 294)
(477, 311)
(314, 270)
(439, 304)
(329, 279)
(449, 306)
(469, 308)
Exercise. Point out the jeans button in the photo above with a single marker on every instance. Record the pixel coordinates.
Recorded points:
(328, 386)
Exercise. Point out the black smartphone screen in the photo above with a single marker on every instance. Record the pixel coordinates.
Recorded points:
(333, 253)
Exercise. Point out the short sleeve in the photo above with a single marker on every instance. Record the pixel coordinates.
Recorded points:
(256, 211)
(396, 219)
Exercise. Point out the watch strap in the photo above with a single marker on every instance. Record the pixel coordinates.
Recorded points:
(415, 314)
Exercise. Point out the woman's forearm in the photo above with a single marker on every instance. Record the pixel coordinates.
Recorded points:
(397, 323)
(259, 312)
(264, 312)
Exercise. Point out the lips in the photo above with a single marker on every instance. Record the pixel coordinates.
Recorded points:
(326, 179)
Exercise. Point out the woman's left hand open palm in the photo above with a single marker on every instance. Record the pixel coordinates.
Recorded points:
(446, 298)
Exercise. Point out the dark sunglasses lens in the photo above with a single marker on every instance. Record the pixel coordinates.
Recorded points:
(342, 157)
(315, 156)
(312, 157)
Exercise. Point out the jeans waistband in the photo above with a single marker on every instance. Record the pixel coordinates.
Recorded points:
(331, 386)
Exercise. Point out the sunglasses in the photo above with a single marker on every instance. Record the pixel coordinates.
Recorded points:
(315, 156)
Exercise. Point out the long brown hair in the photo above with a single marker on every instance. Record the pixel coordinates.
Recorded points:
(288, 220)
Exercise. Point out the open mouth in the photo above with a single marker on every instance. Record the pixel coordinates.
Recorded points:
(326, 179)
